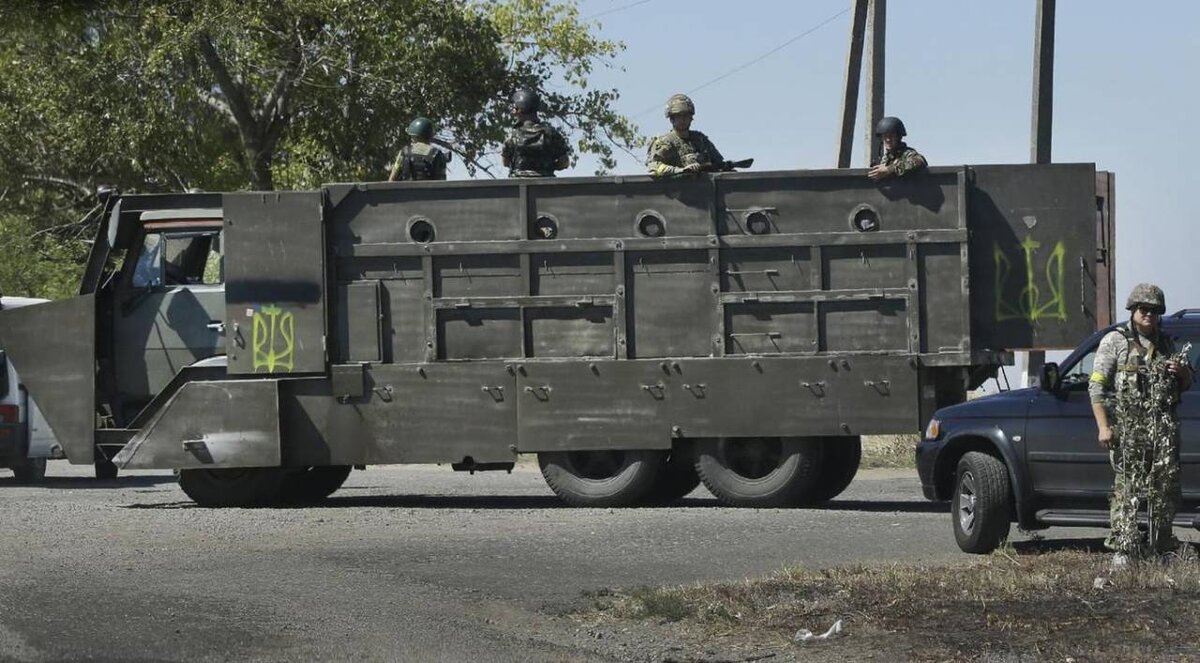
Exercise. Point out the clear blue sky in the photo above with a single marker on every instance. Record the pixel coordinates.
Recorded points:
(959, 72)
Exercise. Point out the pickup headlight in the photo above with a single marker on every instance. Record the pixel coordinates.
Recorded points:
(933, 430)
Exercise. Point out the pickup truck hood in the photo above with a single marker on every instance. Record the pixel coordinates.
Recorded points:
(1013, 403)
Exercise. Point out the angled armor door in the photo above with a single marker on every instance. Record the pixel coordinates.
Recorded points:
(274, 283)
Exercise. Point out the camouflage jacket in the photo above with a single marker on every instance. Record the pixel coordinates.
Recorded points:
(535, 149)
(420, 161)
(1123, 355)
(670, 153)
(903, 160)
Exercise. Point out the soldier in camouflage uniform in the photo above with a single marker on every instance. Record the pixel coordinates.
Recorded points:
(898, 159)
(1135, 386)
(682, 150)
(533, 148)
(420, 160)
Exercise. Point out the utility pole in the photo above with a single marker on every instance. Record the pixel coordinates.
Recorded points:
(875, 75)
(854, 58)
(1041, 123)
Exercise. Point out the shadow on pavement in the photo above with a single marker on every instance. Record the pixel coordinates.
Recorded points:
(881, 506)
(89, 483)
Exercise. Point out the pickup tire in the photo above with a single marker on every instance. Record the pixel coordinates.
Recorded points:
(610, 478)
(840, 458)
(981, 510)
(677, 478)
(760, 471)
(233, 487)
(30, 470)
(307, 485)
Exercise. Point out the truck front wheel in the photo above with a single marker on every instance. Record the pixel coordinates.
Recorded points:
(233, 487)
(30, 470)
(981, 511)
(609, 478)
(760, 471)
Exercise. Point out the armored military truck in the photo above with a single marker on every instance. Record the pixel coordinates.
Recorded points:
(639, 335)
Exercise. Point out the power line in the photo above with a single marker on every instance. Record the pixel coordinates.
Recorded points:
(614, 10)
(757, 59)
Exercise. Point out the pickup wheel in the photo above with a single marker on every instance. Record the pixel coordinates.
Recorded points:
(30, 470)
(760, 471)
(306, 485)
(981, 511)
(839, 464)
(677, 478)
(611, 478)
(233, 487)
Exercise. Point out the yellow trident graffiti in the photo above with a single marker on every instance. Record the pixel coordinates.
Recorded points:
(1028, 305)
(274, 333)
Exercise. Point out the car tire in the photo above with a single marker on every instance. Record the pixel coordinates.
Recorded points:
(611, 478)
(840, 458)
(759, 471)
(677, 478)
(30, 470)
(981, 509)
(308, 485)
(233, 487)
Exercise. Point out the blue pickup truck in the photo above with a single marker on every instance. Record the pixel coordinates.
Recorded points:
(1031, 455)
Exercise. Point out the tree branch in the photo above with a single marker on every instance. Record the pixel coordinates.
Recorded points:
(239, 107)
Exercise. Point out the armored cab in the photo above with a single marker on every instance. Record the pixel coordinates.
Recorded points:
(639, 335)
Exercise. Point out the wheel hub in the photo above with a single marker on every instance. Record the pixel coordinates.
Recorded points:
(966, 502)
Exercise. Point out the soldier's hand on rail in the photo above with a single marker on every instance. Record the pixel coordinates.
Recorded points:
(693, 168)
(1105, 437)
(879, 172)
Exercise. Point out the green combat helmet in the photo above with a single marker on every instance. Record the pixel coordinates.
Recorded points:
(890, 125)
(679, 103)
(1147, 294)
(421, 128)
(526, 101)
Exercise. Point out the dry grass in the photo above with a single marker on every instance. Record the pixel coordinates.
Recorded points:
(1007, 606)
(889, 451)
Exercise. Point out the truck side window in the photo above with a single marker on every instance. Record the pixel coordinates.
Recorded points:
(180, 258)
(1081, 372)
(148, 271)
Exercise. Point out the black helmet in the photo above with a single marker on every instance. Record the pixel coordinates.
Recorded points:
(526, 101)
(890, 125)
(421, 128)
(1147, 294)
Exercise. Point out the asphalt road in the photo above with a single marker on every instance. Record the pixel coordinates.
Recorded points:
(404, 563)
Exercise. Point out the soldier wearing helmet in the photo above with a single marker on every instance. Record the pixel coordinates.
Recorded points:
(897, 159)
(533, 148)
(682, 150)
(420, 160)
(1137, 379)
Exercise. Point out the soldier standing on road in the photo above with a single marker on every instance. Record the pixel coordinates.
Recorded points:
(420, 160)
(682, 150)
(898, 159)
(533, 148)
(1135, 387)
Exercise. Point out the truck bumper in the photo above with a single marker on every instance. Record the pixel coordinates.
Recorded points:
(926, 452)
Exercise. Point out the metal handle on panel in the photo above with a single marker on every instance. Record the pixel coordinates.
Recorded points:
(217, 326)
(656, 390)
(817, 388)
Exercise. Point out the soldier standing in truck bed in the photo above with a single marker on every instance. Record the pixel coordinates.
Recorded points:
(682, 150)
(533, 148)
(420, 160)
(1136, 382)
(898, 159)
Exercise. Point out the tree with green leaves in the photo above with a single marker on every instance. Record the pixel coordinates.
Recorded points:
(158, 95)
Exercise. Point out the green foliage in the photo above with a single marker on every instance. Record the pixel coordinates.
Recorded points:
(157, 95)
(37, 265)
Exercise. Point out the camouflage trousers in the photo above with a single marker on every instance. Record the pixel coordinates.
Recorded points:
(1146, 478)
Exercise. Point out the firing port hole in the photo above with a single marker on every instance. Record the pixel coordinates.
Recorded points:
(758, 222)
(864, 219)
(544, 227)
(651, 224)
(421, 231)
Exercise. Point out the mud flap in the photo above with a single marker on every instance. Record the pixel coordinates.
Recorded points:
(227, 423)
(52, 346)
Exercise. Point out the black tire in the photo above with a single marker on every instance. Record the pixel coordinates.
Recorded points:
(30, 470)
(981, 511)
(106, 470)
(677, 478)
(839, 464)
(233, 487)
(759, 471)
(610, 478)
(307, 485)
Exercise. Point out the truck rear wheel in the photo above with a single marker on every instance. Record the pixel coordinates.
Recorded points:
(840, 457)
(30, 470)
(981, 511)
(306, 485)
(677, 479)
(602, 478)
(759, 471)
(233, 487)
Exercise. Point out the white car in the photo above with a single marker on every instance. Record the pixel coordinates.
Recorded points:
(26, 441)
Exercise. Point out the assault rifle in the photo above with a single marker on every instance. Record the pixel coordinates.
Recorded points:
(726, 166)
